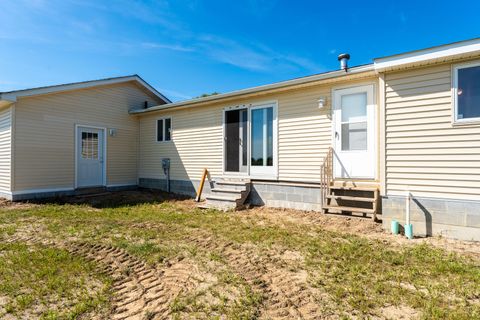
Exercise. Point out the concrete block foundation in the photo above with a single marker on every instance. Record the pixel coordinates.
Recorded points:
(459, 219)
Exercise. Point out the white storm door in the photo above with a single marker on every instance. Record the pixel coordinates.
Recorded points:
(354, 133)
(263, 141)
(90, 157)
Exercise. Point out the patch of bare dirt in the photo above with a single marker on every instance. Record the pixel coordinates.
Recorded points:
(286, 292)
(399, 313)
(139, 291)
(9, 205)
(358, 226)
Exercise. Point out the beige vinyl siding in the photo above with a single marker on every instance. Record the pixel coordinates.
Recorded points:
(44, 146)
(5, 148)
(425, 152)
(196, 143)
(304, 135)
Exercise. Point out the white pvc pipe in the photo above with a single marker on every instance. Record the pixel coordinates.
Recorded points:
(407, 211)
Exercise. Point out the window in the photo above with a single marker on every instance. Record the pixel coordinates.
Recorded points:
(90, 145)
(467, 92)
(164, 129)
(354, 122)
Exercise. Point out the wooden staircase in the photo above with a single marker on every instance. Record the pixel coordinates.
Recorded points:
(352, 200)
(228, 194)
(346, 197)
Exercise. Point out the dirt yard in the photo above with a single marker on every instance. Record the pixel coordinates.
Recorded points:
(143, 255)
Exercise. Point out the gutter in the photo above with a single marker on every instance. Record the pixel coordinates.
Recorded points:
(259, 89)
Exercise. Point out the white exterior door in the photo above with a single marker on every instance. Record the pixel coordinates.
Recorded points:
(354, 133)
(90, 157)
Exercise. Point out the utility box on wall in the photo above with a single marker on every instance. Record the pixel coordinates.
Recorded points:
(166, 165)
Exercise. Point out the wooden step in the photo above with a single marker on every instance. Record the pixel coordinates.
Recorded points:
(349, 209)
(350, 198)
(354, 188)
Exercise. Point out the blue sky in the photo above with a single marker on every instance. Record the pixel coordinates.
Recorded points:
(186, 47)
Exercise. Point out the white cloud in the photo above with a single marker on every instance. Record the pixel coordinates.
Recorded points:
(53, 23)
(175, 95)
(252, 56)
(173, 47)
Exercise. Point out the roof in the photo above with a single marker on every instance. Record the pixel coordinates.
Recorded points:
(441, 53)
(263, 88)
(11, 96)
(447, 52)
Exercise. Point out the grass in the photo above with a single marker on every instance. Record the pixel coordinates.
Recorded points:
(49, 283)
(360, 276)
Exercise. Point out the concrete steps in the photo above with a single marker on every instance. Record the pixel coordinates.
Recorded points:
(227, 194)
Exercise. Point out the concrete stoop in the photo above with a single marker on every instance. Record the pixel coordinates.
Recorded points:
(228, 194)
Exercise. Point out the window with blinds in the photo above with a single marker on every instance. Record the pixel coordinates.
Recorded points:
(90, 145)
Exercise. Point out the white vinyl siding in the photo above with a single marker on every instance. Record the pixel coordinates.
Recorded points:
(304, 135)
(425, 153)
(45, 132)
(5, 148)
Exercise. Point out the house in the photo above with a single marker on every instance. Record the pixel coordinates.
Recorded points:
(54, 140)
(366, 139)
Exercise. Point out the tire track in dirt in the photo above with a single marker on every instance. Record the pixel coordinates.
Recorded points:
(286, 294)
(139, 291)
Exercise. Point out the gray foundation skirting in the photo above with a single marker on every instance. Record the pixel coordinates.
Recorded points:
(271, 195)
(285, 196)
(459, 219)
(183, 187)
(42, 195)
(60, 193)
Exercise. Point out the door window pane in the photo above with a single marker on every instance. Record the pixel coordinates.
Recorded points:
(257, 137)
(89, 145)
(354, 107)
(244, 130)
(270, 137)
(468, 93)
(354, 136)
(262, 137)
(232, 141)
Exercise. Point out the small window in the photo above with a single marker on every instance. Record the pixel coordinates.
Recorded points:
(164, 129)
(90, 145)
(467, 93)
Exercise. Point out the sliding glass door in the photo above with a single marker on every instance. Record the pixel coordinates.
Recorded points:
(250, 136)
(263, 153)
(236, 141)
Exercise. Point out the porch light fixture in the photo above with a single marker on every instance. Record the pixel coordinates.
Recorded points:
(322, 102)
(112, 132)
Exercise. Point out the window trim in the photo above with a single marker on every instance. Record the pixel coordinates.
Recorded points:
(455, 119)
(164, 129)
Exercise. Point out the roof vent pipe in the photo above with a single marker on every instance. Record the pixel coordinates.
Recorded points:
(343, 58)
